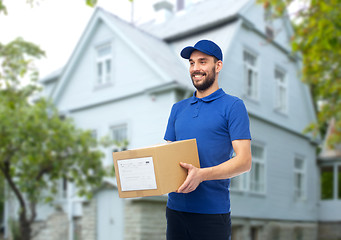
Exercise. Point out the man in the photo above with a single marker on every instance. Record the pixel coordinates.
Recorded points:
(200, 209)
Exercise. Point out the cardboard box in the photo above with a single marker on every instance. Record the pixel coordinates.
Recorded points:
(154, 170)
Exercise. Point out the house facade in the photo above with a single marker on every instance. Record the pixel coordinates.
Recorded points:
(122, 80)
(329, 162)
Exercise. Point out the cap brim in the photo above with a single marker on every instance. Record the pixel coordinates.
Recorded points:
(187, 52)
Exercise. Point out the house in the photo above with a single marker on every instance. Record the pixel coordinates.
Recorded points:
(122, 80)
(329, 162)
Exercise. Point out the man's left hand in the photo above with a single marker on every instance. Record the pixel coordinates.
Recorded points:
(194, 178)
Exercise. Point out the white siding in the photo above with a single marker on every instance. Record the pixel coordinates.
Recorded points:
(255, 14)
(145, 115)
(131, 74)
(279, 201)
(299, 113)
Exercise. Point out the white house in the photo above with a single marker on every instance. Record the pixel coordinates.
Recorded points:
(329, 162)
(122, 80)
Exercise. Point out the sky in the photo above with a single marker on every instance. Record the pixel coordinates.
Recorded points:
(57, 25)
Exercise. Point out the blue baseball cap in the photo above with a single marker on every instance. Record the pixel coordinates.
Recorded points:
(206, 46)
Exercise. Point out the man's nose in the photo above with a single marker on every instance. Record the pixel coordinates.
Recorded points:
(195, 67)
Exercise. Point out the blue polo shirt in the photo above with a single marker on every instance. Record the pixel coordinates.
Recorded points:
(214, 121)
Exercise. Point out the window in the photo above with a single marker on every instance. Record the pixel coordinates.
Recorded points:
(250, 75)
(331, 182)
(64, 187)
(120, 137)
(298, 234)
(237, 232)
(239, 183)
(299, 178)
(275, 233)
(257, 175)
(255, 233)
(94, 134)
(327, 182)
(254, 181)
(103, 64)
(281, 91)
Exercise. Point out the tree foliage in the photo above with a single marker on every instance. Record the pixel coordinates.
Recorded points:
(37, 147)
(317, 38)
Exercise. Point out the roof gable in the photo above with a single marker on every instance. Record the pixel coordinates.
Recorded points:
(148, 48)
(329, 153)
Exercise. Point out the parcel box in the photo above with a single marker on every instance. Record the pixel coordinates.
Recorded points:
(154, 170)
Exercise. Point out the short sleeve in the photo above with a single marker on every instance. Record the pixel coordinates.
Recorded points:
(238, 121)
(170, 130)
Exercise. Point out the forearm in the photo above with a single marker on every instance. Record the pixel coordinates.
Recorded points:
(239, 164)
(231, 168)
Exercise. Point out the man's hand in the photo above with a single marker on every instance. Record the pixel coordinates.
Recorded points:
(194, 178)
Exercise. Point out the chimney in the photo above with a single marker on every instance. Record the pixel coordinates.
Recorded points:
(183, 4)
(180, 5)
(164, 10)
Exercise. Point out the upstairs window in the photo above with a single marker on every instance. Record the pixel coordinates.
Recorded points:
(250, 75)
(103, 64)
(281, 91)
(299, 178)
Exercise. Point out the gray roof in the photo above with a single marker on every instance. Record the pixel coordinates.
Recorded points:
(152, 39)
(52, 76)
(198, 17)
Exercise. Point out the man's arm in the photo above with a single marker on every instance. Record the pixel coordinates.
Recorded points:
(235, 166)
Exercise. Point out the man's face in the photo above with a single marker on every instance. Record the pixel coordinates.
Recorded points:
(202, 70)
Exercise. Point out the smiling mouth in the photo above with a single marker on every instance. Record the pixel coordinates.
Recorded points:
(198, 76)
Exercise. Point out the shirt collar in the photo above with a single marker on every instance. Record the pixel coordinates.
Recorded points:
(213, 96)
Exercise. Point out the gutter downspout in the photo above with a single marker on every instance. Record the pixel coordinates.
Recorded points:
(70, 210)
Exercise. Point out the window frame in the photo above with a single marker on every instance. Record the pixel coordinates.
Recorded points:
(251, 91)
(106, 77)
(261, 162)
(281, 105)
(300, 194)
(336, 181)
(121, 126)
(242, 183)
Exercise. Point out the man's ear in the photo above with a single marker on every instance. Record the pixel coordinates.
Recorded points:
(219, 65)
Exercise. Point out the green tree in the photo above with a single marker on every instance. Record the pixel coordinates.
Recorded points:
(37, 147)
(317, 38)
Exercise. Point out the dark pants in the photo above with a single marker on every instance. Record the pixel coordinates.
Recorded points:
(196, 226)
